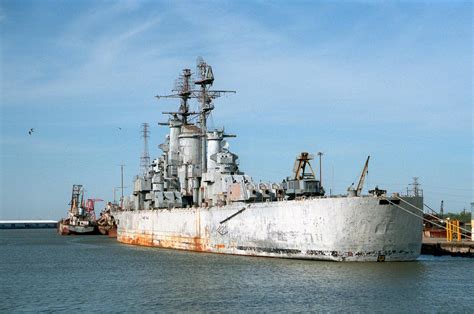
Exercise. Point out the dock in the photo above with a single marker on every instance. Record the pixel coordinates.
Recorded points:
(28, 224)
(439, 246)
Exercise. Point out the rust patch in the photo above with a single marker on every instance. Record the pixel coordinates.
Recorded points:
(198, 222)
(220, 246)
(172, 242)
(198, 244)
(113, 232)
(142, 239)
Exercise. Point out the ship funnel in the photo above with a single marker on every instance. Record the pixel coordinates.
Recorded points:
(215, 141)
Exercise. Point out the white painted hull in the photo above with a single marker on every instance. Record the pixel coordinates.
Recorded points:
(337, 229)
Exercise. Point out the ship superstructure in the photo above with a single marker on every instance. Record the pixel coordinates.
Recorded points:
(195, 197)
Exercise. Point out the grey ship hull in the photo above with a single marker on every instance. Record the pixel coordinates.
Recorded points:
(328, 228)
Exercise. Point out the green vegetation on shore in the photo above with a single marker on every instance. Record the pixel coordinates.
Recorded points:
(463, 216)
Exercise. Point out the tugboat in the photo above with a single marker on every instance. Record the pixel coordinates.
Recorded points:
(106, 222)
(81, 218)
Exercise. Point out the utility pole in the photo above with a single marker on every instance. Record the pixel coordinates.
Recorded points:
(115, 193)
(320, 154)
(145, 158)
(472, 221)
(121, 185)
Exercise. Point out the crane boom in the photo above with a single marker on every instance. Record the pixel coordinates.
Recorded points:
(362, 176)
(300, 165)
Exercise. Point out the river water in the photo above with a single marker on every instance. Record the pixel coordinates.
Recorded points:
(42, 271)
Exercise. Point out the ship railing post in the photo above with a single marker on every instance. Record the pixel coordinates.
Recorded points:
(447, 230)
(458, 231)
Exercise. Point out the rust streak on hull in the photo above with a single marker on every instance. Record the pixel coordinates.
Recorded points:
(173, 242)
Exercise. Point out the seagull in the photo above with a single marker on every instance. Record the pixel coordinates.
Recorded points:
(31, 131)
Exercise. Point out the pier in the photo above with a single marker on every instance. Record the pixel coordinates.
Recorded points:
(439, 246)
(28, 224)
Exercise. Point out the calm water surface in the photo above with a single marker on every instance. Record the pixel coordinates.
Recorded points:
(41, 271)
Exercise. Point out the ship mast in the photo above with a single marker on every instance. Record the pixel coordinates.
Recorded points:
(205, 95)
(182, 91)
(187, 166)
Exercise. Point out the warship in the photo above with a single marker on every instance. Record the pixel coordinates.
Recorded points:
(194, 196)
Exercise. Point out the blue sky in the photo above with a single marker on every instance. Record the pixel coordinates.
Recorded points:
(388, 79)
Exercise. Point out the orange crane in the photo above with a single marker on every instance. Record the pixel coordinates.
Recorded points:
(300, 166)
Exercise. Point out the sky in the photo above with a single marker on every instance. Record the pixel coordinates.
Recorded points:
(393, 80)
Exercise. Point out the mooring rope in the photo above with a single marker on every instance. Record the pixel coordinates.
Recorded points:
(439, 219)
(423, 218)
(434, 211)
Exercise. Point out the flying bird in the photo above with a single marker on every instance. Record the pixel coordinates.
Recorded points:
(31, 131)
(119, 128)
